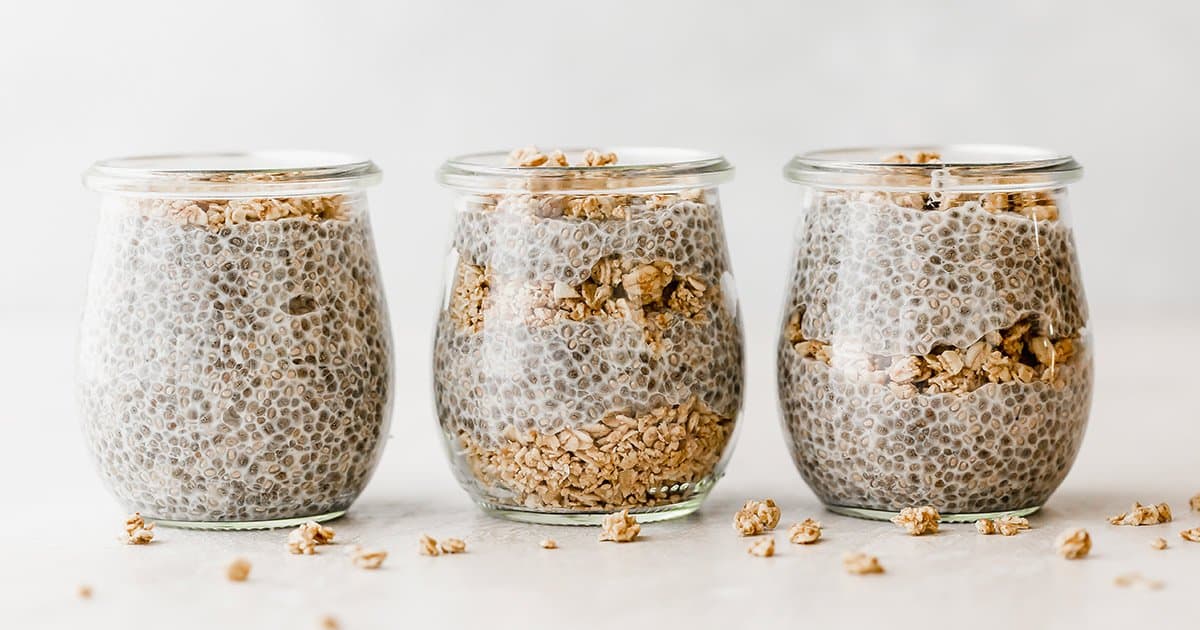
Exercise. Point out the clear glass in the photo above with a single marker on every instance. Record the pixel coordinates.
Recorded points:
(235, 361)
(934, 348)
(588, 352)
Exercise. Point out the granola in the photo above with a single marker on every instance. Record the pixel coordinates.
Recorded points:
(238, 570)
(367, 558)
(548, 543)
(1073, 544)
(619, 527)
(1126, 580)
(453, 545)
(215, 214)
(1006, 525)
(805, 532)
(84, 591)
(307, 536)
(1194, 502)
(763, 547)
(1191, 535)
(755, 517)
(1143, 515)
(1159, 543)
(859, 563)
(429, 546)
(918, 521)
(137, 530)
(329, 623)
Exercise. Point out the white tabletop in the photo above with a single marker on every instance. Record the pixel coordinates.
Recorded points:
(63, 530)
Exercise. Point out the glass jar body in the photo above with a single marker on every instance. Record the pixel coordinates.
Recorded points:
(588, 354)
(934, 350)
(234, 366)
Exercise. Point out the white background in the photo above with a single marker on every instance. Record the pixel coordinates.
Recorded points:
(408, 84)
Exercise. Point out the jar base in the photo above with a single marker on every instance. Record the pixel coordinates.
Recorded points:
(590, 518)
(245, 525)
(968, 517)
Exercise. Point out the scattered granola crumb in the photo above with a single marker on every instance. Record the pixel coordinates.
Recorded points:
(1191, 535)
(918, 520)
(619, 527)
(305, 538)
(429, 546)
(1143, 515)
(985, 526)
(805, 532)
(238, 570)
(1194, 502)
(1136, 579)
(453, 545)
(859, 563)
(549, 543)
(763, 547)
(1159, 543)
(1011, 525)
(84, 591)
(138, 530)
(755, 517)
(329, 623)
(367, 558)
(1073, 544)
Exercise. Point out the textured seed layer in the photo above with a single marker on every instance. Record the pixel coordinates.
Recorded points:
(589, 357)
(935, 353)
(237, 368)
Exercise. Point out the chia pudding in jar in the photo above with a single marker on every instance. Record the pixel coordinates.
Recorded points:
(934, 347)
(235, 357)
(588, 355)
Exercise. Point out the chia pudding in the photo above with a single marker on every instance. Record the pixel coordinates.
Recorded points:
(588, 356)
(235, 359)
(935, 348)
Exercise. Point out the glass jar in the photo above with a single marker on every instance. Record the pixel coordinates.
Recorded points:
(934, 347)
(588, 353)
(234, 366)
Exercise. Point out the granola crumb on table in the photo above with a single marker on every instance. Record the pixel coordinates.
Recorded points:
(453, 545)
(1006, 525)
(238, 570)
(859, 563)
(1191, 535)
(1143, 515)
(1159, 543)
(763, 547)
(549, 543)
(1126, 580)
(756, 517)
(84, 591)
(429, 546)
(367, 558)
(307, 536)
(329, 623)
(918, 521)
(1073, 544)
(805, 532)
(1194, 502)
(619, 527)
(137, 530)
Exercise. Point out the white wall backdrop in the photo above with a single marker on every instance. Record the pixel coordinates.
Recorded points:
(410, 83)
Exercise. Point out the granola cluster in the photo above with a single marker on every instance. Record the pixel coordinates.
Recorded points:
(619, 527)
(137, 530)
(1143, 515)
(756, 517)
(214, 214)
(367, 558)
(1073, 544)
(805, 532)
(1005, 525)
(305, 539)
(430, 546)
(763, 547)
(859, 563)
(1019, 353)
(918, 521)
(618, 460)
(1191, 535)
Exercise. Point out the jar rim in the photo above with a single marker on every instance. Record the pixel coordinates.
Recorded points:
(233, 174)
(976, 167)
(639, 169)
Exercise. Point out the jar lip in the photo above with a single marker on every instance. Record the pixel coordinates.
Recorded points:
(233, 174)
(981, 167)
(638, 169)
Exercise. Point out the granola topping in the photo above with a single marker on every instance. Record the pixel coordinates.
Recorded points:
(805, 532)
(918, 521)
(1143, 515)
(763, 547)
(756, 517)
(859, 563)
(1073, 544)
(1127, 580)
(619, 527)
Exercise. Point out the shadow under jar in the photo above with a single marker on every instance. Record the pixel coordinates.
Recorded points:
(588, 353)
(934, 347)
(234, 366)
